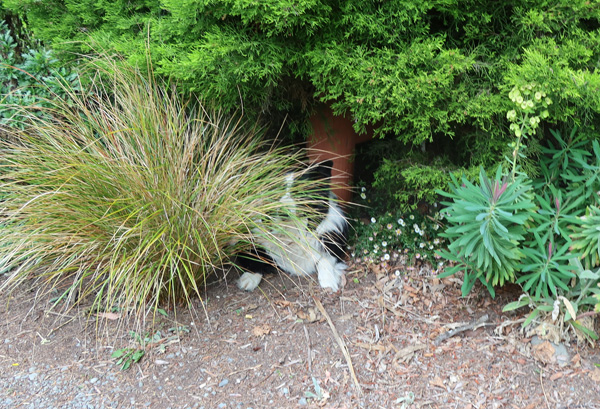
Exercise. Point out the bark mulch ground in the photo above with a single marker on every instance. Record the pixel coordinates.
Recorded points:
(384, 341)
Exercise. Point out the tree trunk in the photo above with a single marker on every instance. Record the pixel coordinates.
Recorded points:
(334, 138)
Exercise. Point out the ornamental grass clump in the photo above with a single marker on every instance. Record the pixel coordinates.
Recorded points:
(128, 198)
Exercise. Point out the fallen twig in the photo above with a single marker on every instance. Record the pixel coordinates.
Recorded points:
(544, 390)
(252, 368)
(586, 314)
(482, 321)
(500, 328)
(406, 354)
(373, 347)
(309, 350)
(340, 342)
(70, 318)
(397, 313)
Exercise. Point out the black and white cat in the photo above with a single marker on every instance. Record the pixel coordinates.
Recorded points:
(303, 250)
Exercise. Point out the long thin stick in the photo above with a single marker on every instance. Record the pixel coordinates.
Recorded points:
(544, 390)
(309, 350)
(340, 342)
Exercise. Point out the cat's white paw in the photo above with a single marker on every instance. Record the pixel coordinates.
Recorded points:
(249, 281)
(330, 272)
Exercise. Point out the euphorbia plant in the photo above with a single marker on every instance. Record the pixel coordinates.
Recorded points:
(487, 225)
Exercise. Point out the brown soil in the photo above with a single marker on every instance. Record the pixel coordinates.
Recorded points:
(275, 348)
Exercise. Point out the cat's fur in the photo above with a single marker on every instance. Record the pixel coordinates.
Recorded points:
(304, 250)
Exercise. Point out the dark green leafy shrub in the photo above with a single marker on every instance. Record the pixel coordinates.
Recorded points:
(406, 184)
(546, 268)
(586, 238)
(580, 297)
(418, 71)
(400, 177)
(559, 252)
(30, 79)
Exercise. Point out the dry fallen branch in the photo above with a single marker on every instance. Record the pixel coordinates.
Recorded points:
(340, 342)
(482, 321)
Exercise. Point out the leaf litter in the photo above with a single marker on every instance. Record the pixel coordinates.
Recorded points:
(373, 345)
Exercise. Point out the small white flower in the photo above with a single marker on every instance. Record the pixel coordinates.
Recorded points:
(436, 241)
(397, 273)
(370, 238)
(411, 217)
(373, 220)
(384, 243)
(386, 257)
(421, 245)
(363, 189)
(431, 247)
(363, 196)
(421, 232)
(389, 226)
(398, 232)
(401, 222)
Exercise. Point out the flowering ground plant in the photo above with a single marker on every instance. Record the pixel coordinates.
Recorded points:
(386, 237)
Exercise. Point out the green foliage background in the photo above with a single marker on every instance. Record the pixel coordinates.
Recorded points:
(431, 73)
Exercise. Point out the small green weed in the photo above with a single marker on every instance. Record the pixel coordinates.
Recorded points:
(127, 356)
(159, 341)
(319, 394)
(406, 400)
